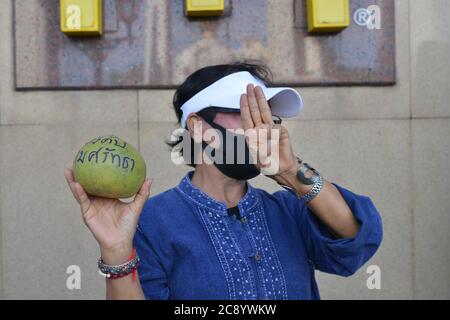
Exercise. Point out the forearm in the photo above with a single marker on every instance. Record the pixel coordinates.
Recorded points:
(329, 206)
(126, 288)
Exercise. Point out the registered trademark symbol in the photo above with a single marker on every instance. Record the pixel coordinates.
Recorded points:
(368, 17)
(362, 17)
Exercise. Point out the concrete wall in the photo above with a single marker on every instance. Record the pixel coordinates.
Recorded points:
(391, 143)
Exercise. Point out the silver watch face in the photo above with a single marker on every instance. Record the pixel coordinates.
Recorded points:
(305, 180)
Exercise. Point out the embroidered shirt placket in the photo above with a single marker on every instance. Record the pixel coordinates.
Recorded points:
(246, 279)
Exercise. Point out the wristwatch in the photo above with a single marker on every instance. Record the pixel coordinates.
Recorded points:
(302, 173)
(315, 179)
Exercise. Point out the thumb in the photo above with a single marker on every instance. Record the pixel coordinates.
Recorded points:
(141, 197)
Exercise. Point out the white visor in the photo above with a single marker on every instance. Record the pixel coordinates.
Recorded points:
(226, 93)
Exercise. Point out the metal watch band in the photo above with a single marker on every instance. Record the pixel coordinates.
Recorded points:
(317, 187)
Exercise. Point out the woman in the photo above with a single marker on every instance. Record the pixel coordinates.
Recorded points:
(215, 236)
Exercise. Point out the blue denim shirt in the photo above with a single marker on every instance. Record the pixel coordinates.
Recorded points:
(190, 248)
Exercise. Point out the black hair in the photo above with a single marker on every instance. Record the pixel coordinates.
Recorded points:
(206, 76)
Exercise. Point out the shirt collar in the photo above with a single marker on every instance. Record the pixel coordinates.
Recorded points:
(196, 195)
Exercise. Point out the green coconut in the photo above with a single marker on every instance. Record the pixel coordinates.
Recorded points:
(109, 167)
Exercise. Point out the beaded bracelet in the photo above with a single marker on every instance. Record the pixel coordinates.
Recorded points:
(121, 270)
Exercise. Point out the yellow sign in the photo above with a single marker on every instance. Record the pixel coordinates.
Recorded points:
(204, 8)
(81, 17)
(328, 15)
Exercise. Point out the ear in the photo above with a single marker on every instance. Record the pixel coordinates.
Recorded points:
(191, 122)
(194, 126)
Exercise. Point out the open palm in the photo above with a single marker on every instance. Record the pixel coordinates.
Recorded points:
(269, 141)
(111, 221)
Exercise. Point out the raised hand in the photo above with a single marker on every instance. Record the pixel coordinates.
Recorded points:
(267, 141)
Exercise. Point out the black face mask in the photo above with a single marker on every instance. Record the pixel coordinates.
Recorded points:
(244, 169)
